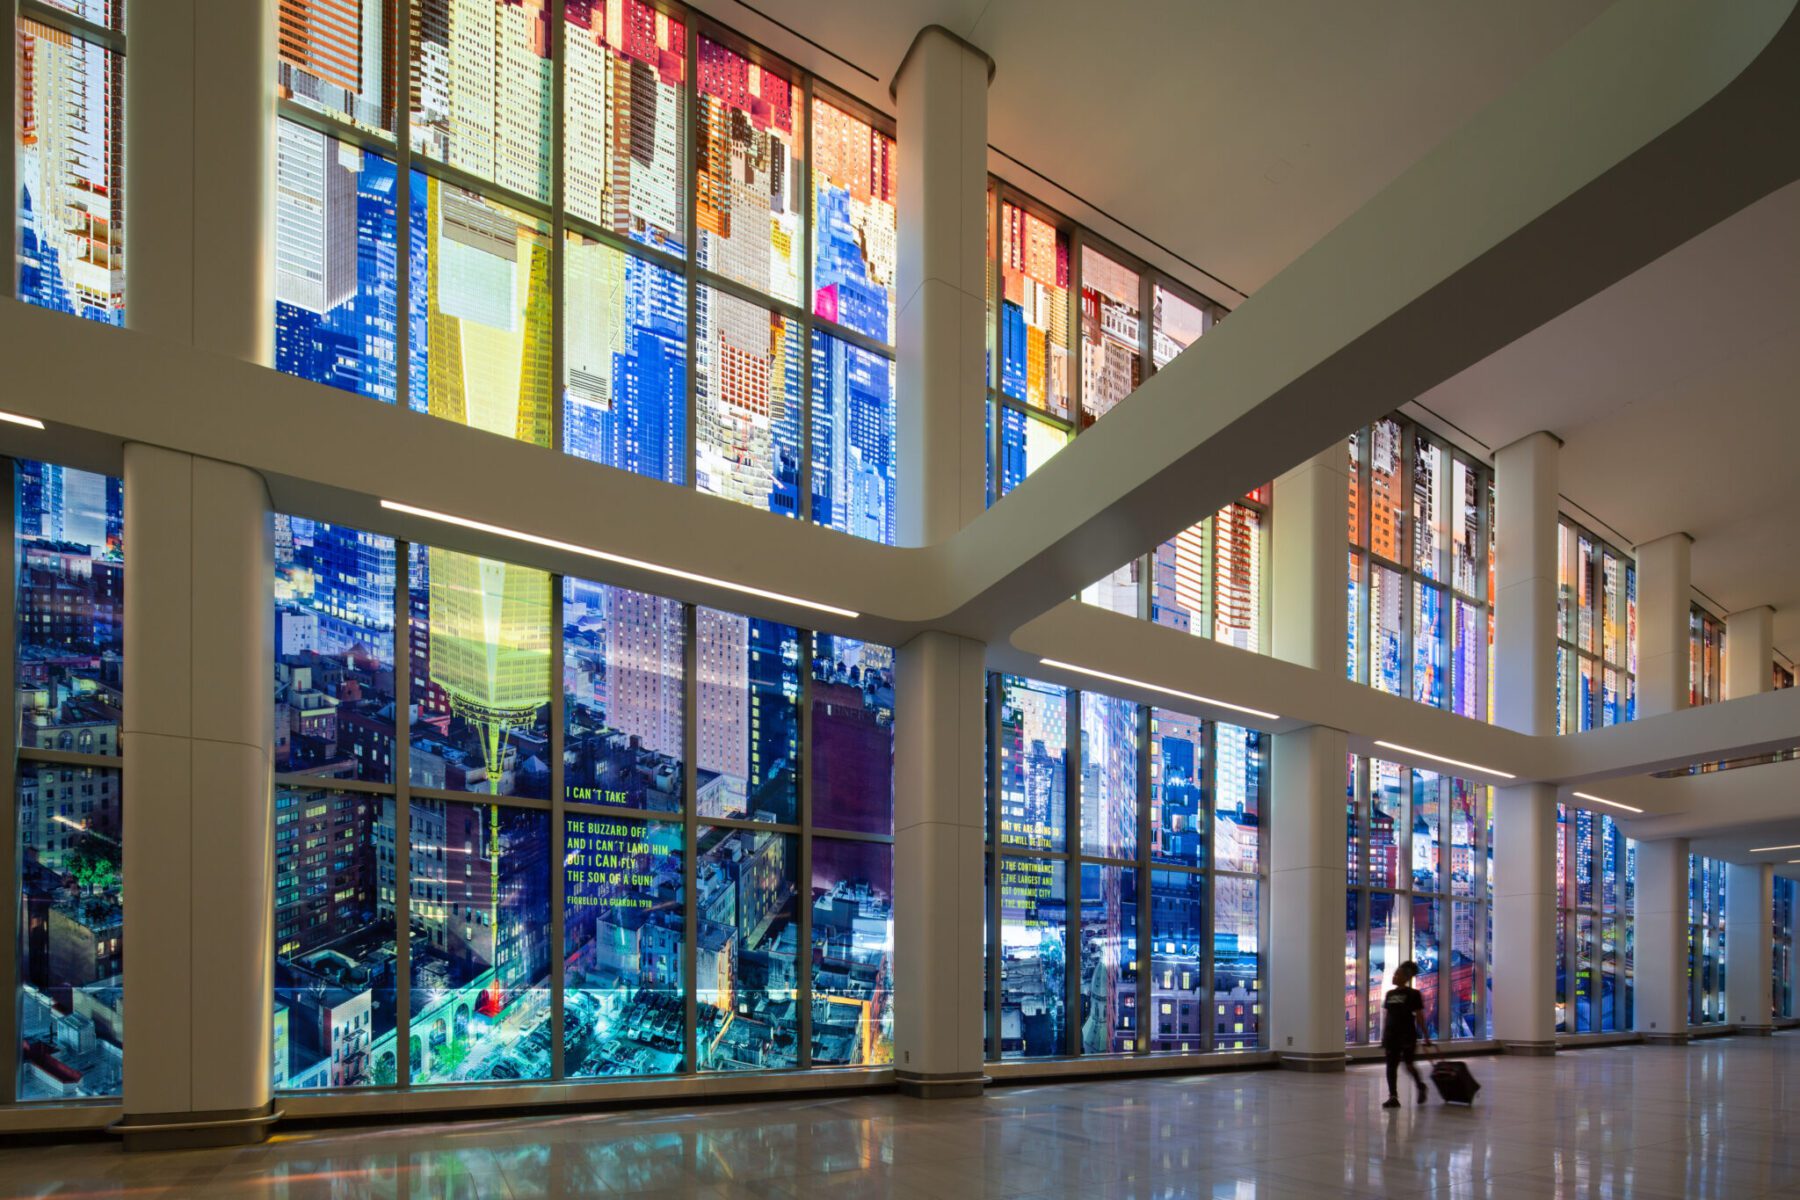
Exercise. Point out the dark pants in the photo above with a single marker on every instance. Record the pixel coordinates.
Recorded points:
(1398, 1053)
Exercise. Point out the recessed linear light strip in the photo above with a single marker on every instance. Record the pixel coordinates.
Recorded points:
(589, 552)
(1767, 849)
(16, 419)
(1454, 762)
(1139, 683)
(1608, 803)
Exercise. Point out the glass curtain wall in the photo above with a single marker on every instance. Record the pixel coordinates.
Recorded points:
(1706, 940)
(1074, 326)
(615, 835)
(1596, 632)
(1419, 859)
(1421, 569)
(1706, 658)
(67, 604)
(666, 251)
(1116, 829)
(1596, 885)
(69, 156)
(1782, 949)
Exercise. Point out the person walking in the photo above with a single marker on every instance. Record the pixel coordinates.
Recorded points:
(1402, 1028)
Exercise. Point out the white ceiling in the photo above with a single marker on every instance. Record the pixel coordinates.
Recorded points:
(1677, 395)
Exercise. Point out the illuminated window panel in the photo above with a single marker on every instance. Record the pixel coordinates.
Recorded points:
(1243, 765)
(1176, 324)
(747, 888)
(1470, 659)
(1033, 783)
(1353, 627)
(481, 89)
(748, 402)
(1467, 802)
(1033, 954)
(1354, 468)
(1387, 512)
(748, 736)
(1584, 693)
(1461, 979)
(1425, 920)
(625, 77)
(1469, 557)
(1237, 577)
(1387, 822)
(1612, 698)
(336, 263)
(334, 651)
(1385, 920)
(337, 57)
(1352, 903)
(1111, 332)
(335, 952)
(1631, 617)
(1353, 859)
(1026, 444)
(854, 464)
(1118, 591)
(623, 942)
(1179, 1005)
(1612, 608)
(479, 906)
(1237, 963)
(1109, 959)
(1429, 642)
(1178, 587)
(1109, 776)
(852, 735)
(71, 1028)
(1427, 789)
(1586, 594)
(747, 170)
(481, 674)
(68, 149)
(1387, 598)
(1177, 788)
(479, 325)
(70, 648)
(1034, 311)
(855, 174)
(1430, 535)
(624, 697)
(852, 897)
(624, 395)
(109, 14)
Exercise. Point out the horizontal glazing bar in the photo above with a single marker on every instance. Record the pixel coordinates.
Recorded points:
(87, 31)
(70, 758)
(317, 784)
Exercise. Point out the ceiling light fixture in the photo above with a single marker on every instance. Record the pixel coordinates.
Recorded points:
(1608, 803)
(16, 419)
(1769, 849)
(1454, 762)
(1155, 687)
(622, 560)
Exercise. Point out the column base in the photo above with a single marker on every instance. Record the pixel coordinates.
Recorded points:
(1756, 1030)
(1529, 1049)
(196, 1130)
(1666, 1039)
(1331, 1060)
(947, 1086)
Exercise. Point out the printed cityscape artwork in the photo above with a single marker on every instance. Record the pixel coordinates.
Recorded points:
(69, 659)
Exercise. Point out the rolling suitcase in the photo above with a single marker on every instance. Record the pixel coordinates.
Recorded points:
(1454, 1081)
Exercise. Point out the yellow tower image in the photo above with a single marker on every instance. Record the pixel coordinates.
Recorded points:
(490, 646)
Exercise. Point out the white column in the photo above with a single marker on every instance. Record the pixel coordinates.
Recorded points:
(1525, 918)
(1525, 520)
(1749, 947)
(1525, 914)
(1664, 601)
(1661, 1001)
(200, 172)
(1307, 881)
(1749, 652)
(939, 740)
(1308, 563)
(941, 93)
(197, 814)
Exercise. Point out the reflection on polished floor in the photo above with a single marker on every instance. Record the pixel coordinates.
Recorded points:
(1710, 1120)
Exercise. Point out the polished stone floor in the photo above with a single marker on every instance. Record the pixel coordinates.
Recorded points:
(1714, 1119)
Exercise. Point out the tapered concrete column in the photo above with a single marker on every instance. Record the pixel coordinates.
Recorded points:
(1664, 601)
(200, 173)
(1749, 939)
(1662, 952)
(1525, 918)
(197, 842)
(1306, 900)
(941, 95)
(1525, 519)
(1308, 563)
(1749, 652)
(939, 740)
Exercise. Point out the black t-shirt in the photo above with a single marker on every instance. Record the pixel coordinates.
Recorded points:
(1397, 1025)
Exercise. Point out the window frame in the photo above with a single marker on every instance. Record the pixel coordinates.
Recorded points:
(1570, 655)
